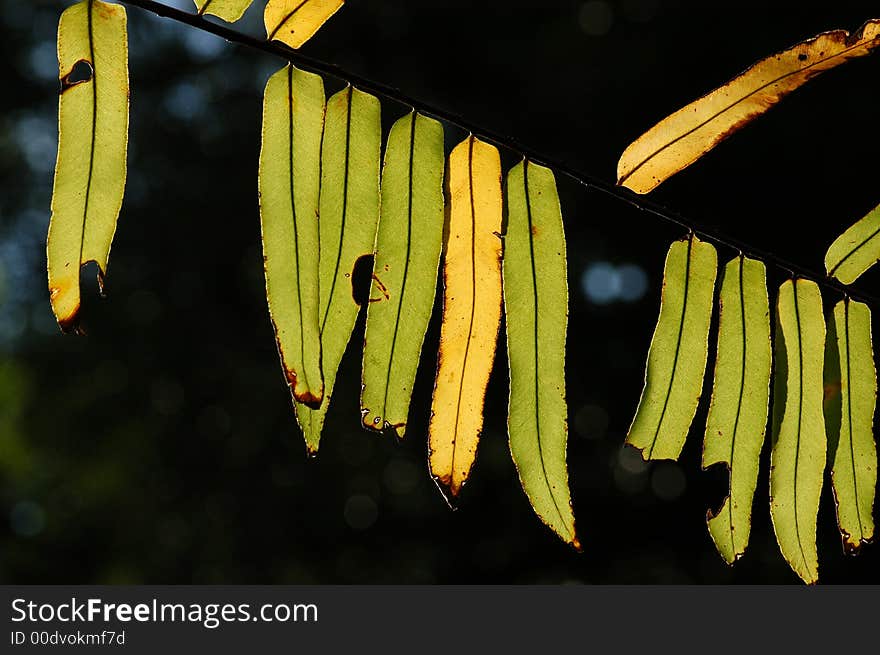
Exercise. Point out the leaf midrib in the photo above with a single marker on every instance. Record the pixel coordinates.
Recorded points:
(852, 454)
(472, 307)
(742, 384)
(853, 252)
(301, 321)
(284, 20)
(797, 449)
(93, 135)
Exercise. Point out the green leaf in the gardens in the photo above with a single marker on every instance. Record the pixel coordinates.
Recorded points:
(798, 456)
(536, 316)
(850, 399)
(92, 148)
(350, 158)
(228, 10)
(856, 250)
(737, 417)
(294, 22)
(679, 348)
(290, 177)
(404, 280)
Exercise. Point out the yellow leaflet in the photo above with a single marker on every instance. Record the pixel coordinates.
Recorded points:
(471, 311)
(295, 21)
(228, 10)
(680, 139)
(92, 149)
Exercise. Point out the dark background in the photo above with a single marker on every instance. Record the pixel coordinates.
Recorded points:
(162, 447)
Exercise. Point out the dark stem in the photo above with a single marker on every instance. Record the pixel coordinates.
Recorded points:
(508, 143)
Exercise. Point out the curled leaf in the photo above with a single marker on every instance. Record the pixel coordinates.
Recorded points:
(856, 250)
(92, 148)
(289, 183)
(536, 319)
(737, 417)
(678, 353)
(350, 157)
(294, 22)
(471, 311)
(850, 400)
(797, 459)
(682, 138)
(408, 244)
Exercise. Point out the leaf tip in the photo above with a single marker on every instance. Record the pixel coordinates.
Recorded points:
(448, 489)
(308, 397)
(69, 322)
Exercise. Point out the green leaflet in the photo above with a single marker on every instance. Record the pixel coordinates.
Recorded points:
(228, 10)
(856, 250)
(798, 456)
(850, 399)
(349, 213)
(290, 165)
(737, 417)
(536, 315)
(92, 150)
(408, 247)
(677, 357)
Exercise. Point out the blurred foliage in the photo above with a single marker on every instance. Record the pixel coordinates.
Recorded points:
(162, 447)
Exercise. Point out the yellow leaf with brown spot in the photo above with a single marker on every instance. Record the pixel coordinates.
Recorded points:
(471, 311)
(228, 10)
(294, 22)
(92, 148)
(682, 138)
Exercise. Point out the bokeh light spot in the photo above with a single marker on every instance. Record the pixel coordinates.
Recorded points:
(27, 519)
(633, 282)
(360, 512)
(668, 481)
(591, 422)
(596, 18)
(601, 283)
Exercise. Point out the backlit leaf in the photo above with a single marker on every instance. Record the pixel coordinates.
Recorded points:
(679, 348)
(290, 175)
(798, 456)
(350, 157)
(850, 400)
(92, 148)
(228, 10)
(408, 247)
(471, 311)
(856, 250)
(683, 137)
(294, 22)
(536, 319)
(737, 417)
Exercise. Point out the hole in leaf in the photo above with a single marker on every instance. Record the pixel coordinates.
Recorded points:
(361, 279)
(82, 72)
